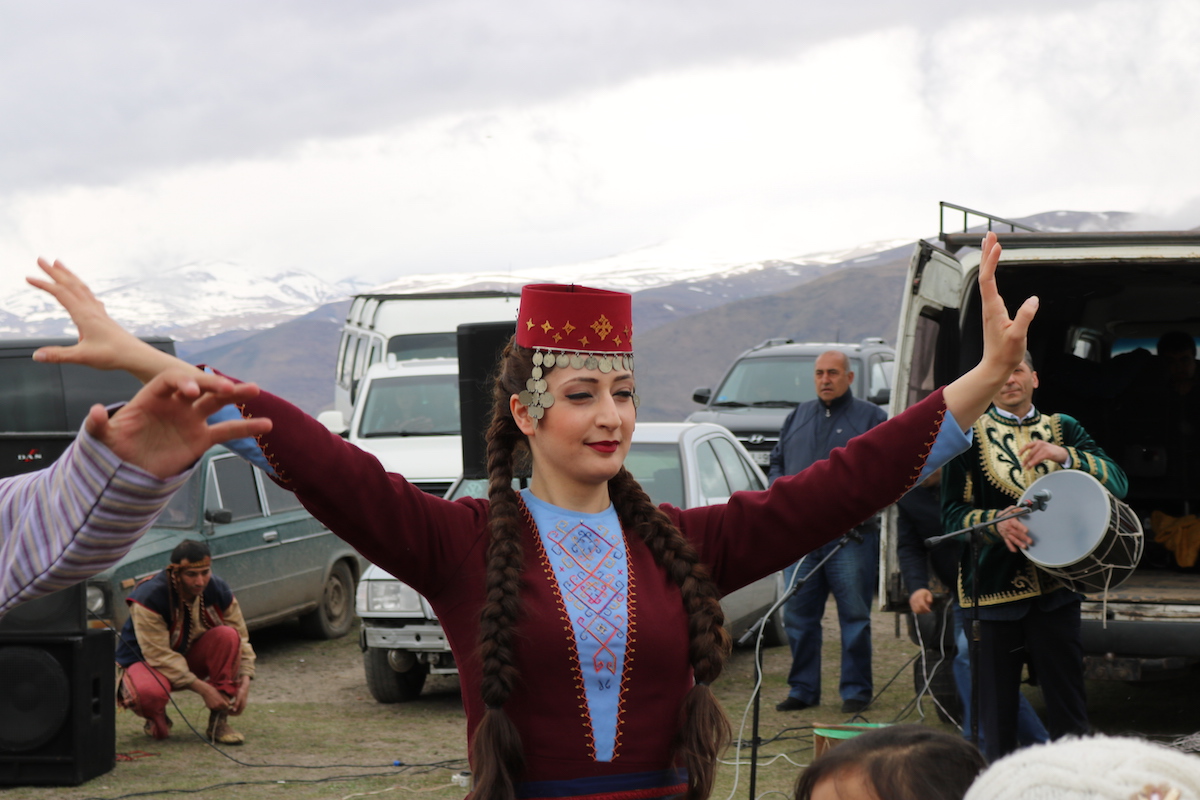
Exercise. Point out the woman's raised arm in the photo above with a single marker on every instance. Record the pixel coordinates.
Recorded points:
(1004, 344)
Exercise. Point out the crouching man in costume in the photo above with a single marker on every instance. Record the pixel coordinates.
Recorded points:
(185, 631)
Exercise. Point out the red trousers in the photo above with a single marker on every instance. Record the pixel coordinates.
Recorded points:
(214, 657)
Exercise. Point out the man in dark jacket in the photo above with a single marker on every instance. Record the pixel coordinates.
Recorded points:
(185, 631)
(809, 434)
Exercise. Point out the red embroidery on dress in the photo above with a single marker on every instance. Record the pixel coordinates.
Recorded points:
(630, 639)
(569, 633)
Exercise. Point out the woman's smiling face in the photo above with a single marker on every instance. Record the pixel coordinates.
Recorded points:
(582, 440)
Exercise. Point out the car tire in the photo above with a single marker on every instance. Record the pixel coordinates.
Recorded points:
(334, 617)
(386, 684)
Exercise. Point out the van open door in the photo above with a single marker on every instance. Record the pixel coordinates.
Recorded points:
(927, 346)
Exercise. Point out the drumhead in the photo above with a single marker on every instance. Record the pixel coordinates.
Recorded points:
(1074, 521)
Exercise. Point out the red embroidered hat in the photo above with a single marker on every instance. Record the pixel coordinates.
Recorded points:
(575, 319)
(572, 326)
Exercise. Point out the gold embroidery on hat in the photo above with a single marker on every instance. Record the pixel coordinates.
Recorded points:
(557, 337)
(602, 327)
(568, 328)
(583, 341)
(528, 324)
(547, 327)
(617, 340)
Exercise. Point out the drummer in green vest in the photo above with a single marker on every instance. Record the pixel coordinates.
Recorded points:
(1025, 614)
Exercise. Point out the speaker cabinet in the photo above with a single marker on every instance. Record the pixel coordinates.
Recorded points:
(479, 347)
(57, 708)
(63, 612)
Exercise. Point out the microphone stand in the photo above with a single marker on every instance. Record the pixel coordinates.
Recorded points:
(975, 532)
(850, 536)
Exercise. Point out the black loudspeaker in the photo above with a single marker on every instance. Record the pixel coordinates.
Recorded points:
(57, 708)
(479, 347)
(63, 612)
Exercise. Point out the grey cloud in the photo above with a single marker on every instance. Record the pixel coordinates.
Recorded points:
(94, 93)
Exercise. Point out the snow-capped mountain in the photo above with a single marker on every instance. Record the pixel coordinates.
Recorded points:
(191, 301)
(201, 300)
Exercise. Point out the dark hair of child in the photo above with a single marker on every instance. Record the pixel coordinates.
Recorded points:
(900, 762)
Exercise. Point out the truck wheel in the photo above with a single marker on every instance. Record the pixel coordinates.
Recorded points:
(334, 617)
(386, 684)
(942, 687)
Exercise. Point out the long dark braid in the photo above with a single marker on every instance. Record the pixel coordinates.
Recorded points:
(496, 752)
(703, 727)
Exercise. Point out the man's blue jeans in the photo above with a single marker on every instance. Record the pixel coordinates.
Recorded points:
(1030, 729)
(850, 576)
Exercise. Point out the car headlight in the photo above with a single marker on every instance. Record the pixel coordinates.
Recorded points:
(386, 596)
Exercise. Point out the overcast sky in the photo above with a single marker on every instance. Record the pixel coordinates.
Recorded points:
(372, 139)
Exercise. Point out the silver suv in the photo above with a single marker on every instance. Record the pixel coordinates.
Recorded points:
(767, 381)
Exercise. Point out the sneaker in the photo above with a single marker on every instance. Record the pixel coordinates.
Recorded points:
(854, 706)
(159, 727)
(219, 731)
(793, 704)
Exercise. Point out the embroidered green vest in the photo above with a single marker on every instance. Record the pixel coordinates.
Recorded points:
(987, 478)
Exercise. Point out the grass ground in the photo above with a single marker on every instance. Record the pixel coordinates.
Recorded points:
(313, 731)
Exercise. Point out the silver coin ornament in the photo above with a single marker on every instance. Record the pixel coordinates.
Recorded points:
(536, 396)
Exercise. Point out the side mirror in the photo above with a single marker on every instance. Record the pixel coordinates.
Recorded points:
(702, 394)
(218, 516)
(882, 397)
(334, 421)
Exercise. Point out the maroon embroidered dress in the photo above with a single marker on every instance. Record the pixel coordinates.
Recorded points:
(438, 547)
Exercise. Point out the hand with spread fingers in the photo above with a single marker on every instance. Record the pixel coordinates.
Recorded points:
(165, 427)
(1004, 343)
(103, 343)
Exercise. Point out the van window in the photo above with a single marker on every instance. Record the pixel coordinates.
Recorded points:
(374, 356)
(360, 357)
(343, 375)
(423, 345)
(348, 358)
(920, 379)
(416, 405)
(31, 396)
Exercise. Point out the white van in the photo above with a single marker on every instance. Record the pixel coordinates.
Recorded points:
(408, 417)
(408, 326)
(1106, 297)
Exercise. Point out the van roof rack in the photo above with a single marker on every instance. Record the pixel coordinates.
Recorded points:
(1032, 237)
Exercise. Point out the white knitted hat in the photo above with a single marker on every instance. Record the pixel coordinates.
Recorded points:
(1091, 768)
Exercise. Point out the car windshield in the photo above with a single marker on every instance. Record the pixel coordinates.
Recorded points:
(416, 405)
(655, 466)
(423, 345)
(771, 382)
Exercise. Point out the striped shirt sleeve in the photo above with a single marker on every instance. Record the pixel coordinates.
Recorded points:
(75, 518)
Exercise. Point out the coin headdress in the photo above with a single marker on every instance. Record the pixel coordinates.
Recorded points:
(576, 326)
